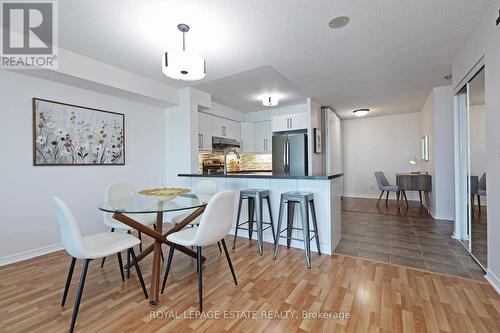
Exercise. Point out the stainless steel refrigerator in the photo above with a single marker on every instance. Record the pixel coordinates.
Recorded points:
(290, 154)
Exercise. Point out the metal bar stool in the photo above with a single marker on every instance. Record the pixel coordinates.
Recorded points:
(255, 199)
(304, 199)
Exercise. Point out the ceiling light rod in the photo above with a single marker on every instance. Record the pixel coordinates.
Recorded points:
(183, 28)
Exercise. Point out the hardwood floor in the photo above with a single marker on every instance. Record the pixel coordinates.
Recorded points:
(378, 297)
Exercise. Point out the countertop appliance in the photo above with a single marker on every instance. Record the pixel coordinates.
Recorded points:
(290, 153)
(213, 167)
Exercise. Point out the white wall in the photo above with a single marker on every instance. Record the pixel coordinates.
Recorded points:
(484, 42)
(437, 122)
(28, 220)
(372, 144)
(316, 161)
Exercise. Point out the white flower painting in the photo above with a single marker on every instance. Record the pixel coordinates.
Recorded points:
(65, 134)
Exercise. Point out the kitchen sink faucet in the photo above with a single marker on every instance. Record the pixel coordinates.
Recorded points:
(225, 158)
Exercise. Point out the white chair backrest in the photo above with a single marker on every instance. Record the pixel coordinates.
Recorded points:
(205, 190)
(69, 229)
(217, 219)
(116, 193)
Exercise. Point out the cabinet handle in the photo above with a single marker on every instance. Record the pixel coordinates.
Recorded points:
(223, 131)
(201, 140)
(291, 123)
(287, 122)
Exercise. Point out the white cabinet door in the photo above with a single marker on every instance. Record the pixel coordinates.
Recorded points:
(280, 123)
(299, 121)
(290, 122)
(262, 136)
(247, 137)
(232, 129)
(206, 131)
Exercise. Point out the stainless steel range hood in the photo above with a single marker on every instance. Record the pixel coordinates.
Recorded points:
(219, 143)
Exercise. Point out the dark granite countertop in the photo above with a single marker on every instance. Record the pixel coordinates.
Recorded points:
(268, 175)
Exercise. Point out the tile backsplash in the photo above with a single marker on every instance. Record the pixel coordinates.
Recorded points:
(247, 161)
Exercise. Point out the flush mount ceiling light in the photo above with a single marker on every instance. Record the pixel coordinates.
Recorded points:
(338, 22)
(361, 112)
(183, 65)
(270, 100)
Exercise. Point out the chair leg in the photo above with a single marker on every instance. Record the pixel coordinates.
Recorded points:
(420, 197)
(315, 225)
(128, 260)
(278, 231)
(251, 214)
(200, 283)
(387, 198)
(380, 197)
(218, 244)
(68, 280)
(289, 223)
(229, 261)
(479, 203)
(140, 238)
(271, 218)
(304, 210)
(79, 295)
(406, 199)
(139, 274)
(120, 263)
(167, 269)
(237, 221)
(104, 258)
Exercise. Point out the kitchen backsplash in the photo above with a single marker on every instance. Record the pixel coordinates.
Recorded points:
(247, 161)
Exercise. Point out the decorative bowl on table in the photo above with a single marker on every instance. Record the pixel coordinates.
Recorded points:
(165, 193)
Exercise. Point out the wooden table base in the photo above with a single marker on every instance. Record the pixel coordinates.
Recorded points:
(159, 239)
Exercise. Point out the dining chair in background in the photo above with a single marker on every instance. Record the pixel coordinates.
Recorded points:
(214, 225)
(477, 189)
(120, 193)
(88, 248)
(385, 186)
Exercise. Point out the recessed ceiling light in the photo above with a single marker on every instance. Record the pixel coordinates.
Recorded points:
(271, 100)
(448, 77)
(361, 112)
(338, 22)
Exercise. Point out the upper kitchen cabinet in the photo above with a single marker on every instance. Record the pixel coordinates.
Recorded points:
(262, 136)
(290, 122)
(247, 137)
(210, 126)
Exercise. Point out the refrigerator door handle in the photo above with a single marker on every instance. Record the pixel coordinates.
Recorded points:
(287, 157)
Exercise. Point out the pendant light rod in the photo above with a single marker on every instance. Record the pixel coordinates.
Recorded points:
(183, 28)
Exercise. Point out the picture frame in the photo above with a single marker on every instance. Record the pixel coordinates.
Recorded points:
(74, 135)
(318, 141)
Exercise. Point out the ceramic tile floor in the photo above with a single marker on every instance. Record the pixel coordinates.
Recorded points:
(413, 241)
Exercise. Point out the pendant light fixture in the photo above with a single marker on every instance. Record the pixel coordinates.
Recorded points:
(270, 100)
(184, 65)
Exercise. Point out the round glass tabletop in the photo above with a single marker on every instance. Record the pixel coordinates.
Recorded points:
(150, 204)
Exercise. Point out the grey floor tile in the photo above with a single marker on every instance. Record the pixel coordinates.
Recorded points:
(374, 255)
(408, 261)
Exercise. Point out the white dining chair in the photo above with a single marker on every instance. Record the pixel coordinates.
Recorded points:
(204, 191)
(88, 248)
(120, 193)
(215, 223)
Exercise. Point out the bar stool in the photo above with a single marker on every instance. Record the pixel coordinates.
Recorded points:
(255, 199)
(304, 199)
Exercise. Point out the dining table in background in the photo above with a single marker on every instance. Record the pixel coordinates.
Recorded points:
(124, 212)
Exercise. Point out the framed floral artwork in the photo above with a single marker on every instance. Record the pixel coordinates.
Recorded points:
(66, 134)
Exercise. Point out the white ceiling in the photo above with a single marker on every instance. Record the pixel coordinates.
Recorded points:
(387, 58)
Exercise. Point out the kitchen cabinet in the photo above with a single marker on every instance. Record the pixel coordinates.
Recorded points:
(262, 136)
(210, 126)
(247, 137)
(290, 122)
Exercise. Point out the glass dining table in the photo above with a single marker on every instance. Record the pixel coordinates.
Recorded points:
(125, 210)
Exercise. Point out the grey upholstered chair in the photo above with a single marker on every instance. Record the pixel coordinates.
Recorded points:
(477, 189)
(384, 186)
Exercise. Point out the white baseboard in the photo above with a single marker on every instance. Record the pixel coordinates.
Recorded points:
(374, 196)
(493, 280)
(16, 257)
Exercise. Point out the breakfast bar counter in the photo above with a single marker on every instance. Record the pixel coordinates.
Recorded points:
(327, 190)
